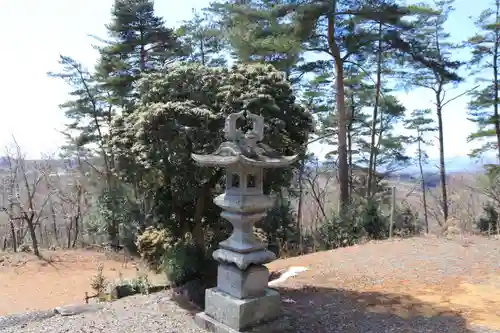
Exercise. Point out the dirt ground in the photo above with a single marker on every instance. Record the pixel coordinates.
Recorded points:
(416, 281)
(425, 282)
(27, 283)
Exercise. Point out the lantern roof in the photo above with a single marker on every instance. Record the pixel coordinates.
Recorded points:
(245, 149)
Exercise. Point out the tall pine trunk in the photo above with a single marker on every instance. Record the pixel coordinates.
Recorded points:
(373, 149)
(496, 116)
(422, 182)
(343, 168)
(442, 167)
(349, 144)
(301, 201)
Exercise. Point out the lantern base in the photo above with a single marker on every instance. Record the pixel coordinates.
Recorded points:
(211, 325)
(227, 314)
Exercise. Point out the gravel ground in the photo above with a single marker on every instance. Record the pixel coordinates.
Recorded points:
(421, 259)
(340, 312)
(136, 314)
(377, 287)
(158, 313)
(337, 295)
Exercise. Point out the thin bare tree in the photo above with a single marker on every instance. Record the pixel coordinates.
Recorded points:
(8, 188)
(69, 199)
(28, 195)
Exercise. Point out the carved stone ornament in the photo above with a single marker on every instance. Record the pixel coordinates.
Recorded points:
(244, 148)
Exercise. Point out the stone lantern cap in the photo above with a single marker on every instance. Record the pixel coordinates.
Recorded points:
(244, 149)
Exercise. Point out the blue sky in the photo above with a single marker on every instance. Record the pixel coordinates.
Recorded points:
(31, 47)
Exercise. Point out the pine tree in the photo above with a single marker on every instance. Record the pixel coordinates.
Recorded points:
(421, 123)
(202, 40)
(342, 31)
(141, 36)
(257, 34)
(483, 108)
(372, 165)
(88, 110)
(139, 43)
(436, 76)
(388, 148)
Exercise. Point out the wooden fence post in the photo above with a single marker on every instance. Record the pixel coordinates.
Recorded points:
(393, 210)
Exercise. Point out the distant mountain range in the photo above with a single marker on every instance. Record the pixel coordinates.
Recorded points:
(454, 164)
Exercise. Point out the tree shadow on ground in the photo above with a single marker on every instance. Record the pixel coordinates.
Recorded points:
(319, 309)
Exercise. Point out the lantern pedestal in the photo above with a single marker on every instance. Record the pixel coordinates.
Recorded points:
(241, 300)
(227, 314)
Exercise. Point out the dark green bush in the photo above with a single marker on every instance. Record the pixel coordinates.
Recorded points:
(184, 262)
(340, 231)
(488, 223)
(373, 222)
(279, 227)
(407, 223)
(366, 219)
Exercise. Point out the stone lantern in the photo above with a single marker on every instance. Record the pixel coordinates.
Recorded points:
(242, 300)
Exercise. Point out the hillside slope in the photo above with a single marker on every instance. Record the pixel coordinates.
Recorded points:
(423, 284)
(419, 285)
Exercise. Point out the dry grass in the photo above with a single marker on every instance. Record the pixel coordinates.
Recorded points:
(27, 283)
